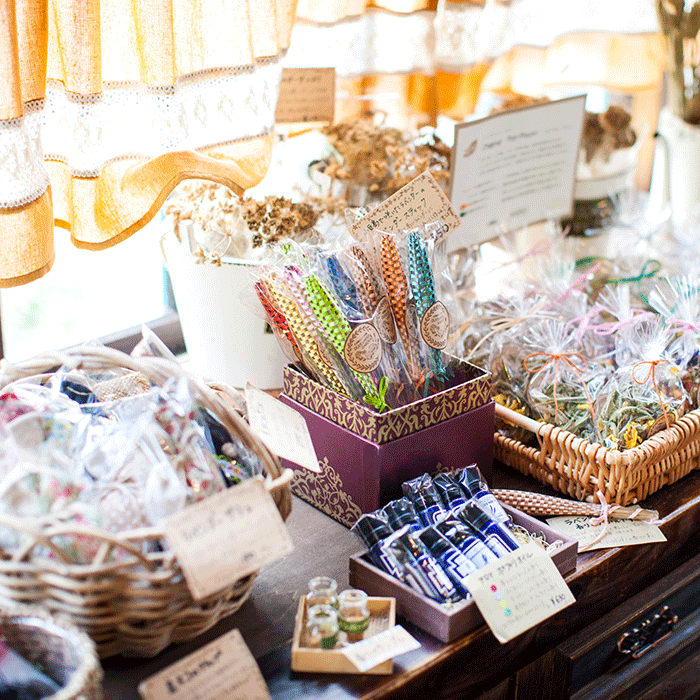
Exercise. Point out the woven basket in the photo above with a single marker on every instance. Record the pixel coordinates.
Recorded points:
(135, 604)
(64, 653)
(579, 468)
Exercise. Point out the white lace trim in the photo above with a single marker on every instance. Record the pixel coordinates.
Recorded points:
(375, 42)
(23, 176)
(199, 111)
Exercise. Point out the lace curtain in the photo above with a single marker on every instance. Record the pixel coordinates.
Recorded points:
(106, 105)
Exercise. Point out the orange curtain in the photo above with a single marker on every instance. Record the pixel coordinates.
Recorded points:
(106, 105)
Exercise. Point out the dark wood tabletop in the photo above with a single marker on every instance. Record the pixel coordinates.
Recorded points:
(466, 668)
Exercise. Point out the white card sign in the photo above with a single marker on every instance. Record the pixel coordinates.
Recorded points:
(515, 168)
(379, 648)
(222, 670)
(281, 428)
(518, 591)
(226, 537)
(618, 533)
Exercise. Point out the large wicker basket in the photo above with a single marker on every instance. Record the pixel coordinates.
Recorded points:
(133, 604)
(580, 468)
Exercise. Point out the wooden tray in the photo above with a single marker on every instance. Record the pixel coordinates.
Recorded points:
(382, 613)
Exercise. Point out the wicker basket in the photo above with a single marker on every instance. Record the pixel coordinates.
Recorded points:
(135, 604)
(64, 653)
(579, 468)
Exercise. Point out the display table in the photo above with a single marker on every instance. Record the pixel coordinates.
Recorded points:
(475, 666)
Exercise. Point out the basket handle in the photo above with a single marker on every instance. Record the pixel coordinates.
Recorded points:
(282, 480)
(518, 419)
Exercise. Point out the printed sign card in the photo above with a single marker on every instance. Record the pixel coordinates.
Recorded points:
(379, 648)
(515, 168)
(222, 670)
(281, 428)
(518, 591)
(226, 537)
(306, 95)
(420, 201)
(618, 533)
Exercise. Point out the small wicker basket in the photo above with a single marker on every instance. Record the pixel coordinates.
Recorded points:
(580, 468)
(135, 604)
(65, 653)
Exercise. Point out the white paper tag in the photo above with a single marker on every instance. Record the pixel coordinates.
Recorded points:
(379, 648)
(518, 591)
(222, 670)
(227, 536)
(281, 428)
(421, 201)
(618, 533)
(515, 168)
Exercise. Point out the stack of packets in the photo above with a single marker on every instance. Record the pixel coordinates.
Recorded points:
(369, 321)
(76, 450)
(445, 528)
(607, 350)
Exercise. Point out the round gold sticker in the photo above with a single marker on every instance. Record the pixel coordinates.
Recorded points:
(363, 348)
(435, 326)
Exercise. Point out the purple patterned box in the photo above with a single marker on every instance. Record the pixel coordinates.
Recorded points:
(471, 388)
(358, 475)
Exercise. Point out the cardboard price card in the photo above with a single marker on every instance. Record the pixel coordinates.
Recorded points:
(226, 537)
(518, 591)
(222, 670)
(515, 168)
(379, 648)
(421, 201)
(306, 95)
(618, 533)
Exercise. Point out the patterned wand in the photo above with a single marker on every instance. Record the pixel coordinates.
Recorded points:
(337, 329)
(344, 288)
(367, 286)
(276, 317)
(423, 287)
(397, 287)
(301, 332)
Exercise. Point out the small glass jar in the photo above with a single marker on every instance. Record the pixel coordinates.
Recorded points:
(353, 614)
(321, 626)
(322, 590)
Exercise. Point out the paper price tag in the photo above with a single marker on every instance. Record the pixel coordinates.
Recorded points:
(227, 536)
(306, 95)
(515, 168)
(379, 648)
(222, 670)
(518, 591)
(618, 533)
(281, 428)
(421, 201)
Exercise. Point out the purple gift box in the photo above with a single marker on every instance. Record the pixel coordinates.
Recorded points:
(365, 456)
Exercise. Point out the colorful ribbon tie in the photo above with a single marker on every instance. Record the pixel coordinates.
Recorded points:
(651, 374)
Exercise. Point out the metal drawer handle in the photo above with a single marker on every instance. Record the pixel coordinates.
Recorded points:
(652, 631)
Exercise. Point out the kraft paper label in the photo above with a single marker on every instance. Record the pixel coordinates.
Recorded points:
(518, 591)
(363, 348)
(435, 326)
(281, 428)
(421, 201)
(618, 533)
(226, 537)
(324, 354)
(222, 670)
(383, 321)
(306, 95)
(379, 648)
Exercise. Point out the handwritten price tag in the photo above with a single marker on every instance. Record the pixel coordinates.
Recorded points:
(227, 536)
(281, 428)
(306, 95)
(518, 591)
(618, 533)
(222, 670)
(421, 201)
(379, 648)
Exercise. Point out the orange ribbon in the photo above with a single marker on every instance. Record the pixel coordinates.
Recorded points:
(566, 358)
(651, 375)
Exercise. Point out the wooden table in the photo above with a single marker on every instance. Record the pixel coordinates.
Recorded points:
(476, 666)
